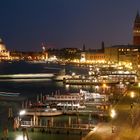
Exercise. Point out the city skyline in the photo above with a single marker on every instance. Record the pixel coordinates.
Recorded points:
(25, 25)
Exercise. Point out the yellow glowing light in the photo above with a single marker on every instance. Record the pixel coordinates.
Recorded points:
(73, 74)
(20, 137)
(104, 85)
(132, 94)
(22, 112)
(67, 86)
(113, 113)
(89, 73)
(138, 84)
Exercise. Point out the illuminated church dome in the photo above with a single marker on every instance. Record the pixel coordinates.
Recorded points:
(4, 53)
(2, 46)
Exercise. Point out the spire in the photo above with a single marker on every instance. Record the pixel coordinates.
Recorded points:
(137, 19)
(103, 45)
(84, 47)
(136, 30)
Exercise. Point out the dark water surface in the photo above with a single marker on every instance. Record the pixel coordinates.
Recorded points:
(43, 136)
(30, 89)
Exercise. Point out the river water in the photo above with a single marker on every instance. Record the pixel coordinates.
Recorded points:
(30, 88)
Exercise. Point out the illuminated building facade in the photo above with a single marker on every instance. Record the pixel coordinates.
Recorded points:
(130, 55)
(69, 54)
(123, 54)
(29, 56)
(93, 56)
(111, 54)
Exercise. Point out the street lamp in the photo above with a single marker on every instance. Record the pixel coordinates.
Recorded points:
(104, 87)
(113, 115)
(22, 112)
(73, 74)
(132, 94)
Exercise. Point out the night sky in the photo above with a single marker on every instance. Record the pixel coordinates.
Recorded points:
(25, 24)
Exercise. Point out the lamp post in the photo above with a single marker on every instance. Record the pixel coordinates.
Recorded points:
(113, 115)
(21, 113)
(132, 94)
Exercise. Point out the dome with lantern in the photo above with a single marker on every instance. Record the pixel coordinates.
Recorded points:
(2, 46)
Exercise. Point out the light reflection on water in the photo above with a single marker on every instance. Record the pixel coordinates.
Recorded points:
(31, 75)
(24, 80)
(32, 79)
(30, 88)
(44, 136)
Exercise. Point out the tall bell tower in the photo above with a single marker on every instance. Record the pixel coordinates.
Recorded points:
(136, 30)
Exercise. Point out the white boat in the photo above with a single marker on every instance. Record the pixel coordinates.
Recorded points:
(43, 112)
(70, 106)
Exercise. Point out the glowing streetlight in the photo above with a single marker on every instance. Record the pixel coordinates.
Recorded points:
(132, 94)
(89, 73)
(67, 86)
(73, 74)
(112, 113)
(139, 84)
(104, 85)
(22, 112)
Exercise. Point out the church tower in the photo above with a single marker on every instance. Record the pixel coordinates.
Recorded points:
(136, 30)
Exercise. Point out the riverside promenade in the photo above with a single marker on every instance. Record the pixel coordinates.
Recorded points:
(125, 125)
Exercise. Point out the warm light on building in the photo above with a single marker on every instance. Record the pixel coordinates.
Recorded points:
(52, 58)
